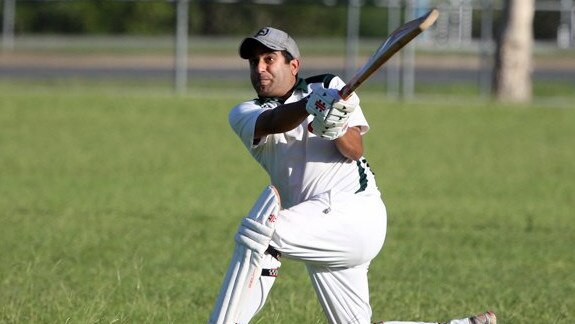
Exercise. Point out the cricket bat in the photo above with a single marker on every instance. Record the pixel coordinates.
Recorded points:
(392, 44)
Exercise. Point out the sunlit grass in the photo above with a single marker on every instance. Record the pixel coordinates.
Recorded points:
(120, 205)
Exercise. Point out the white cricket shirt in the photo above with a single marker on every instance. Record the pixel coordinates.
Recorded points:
(299, 163)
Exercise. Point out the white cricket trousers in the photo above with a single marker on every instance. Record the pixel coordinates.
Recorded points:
(336, 236)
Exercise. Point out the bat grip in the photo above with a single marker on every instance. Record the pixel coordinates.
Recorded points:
(345, 92)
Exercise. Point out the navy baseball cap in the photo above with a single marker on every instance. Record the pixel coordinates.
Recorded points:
(272, 38)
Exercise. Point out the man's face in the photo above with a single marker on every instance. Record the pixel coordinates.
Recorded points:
(270, 74)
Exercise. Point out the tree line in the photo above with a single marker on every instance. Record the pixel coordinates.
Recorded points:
(210, 18)
(157, 18)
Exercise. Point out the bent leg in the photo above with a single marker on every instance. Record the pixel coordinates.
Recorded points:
(343, 293)
(336, 236)
(336, 231)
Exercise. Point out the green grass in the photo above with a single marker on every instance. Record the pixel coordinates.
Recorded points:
(119, 206)
(542, 90)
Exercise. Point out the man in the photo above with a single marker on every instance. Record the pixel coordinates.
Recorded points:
(332, 217)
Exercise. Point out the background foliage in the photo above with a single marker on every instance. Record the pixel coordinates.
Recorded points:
(211, 18)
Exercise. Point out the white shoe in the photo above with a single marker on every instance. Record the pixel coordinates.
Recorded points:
(483, 318)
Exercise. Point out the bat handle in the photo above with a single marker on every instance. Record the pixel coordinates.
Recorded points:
(345, 92)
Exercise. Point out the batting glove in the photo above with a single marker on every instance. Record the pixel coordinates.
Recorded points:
(323, 101)
(331, 112)
(329, 130)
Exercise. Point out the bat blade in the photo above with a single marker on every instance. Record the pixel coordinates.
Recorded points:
(392, 44)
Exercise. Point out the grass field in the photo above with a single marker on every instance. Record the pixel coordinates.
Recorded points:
(119, 206)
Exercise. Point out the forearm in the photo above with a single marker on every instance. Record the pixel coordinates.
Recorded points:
(350, 144)
(281, 119)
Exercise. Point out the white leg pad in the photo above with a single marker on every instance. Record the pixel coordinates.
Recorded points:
(257, 299)
(252, 239)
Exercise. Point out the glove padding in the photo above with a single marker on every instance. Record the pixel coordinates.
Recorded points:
(330, 111)
(332, 127)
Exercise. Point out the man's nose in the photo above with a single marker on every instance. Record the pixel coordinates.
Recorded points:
(262, 66)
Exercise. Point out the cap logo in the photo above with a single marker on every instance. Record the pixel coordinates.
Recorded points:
(262, 32)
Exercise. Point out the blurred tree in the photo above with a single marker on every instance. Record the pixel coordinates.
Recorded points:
(513, 58)
(156, 17)
(150, 18)
(208, 13)
(95, 17)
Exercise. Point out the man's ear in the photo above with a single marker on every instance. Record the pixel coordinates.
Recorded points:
(294, 66)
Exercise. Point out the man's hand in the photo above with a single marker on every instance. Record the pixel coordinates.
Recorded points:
(322, 102)
(330, 112)
(328, 129)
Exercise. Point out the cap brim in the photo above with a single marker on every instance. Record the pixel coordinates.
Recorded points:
(248, 44)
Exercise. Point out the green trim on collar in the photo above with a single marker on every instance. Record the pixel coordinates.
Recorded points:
(301, 85)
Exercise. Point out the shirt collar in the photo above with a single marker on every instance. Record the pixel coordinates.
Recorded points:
(300, 85)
